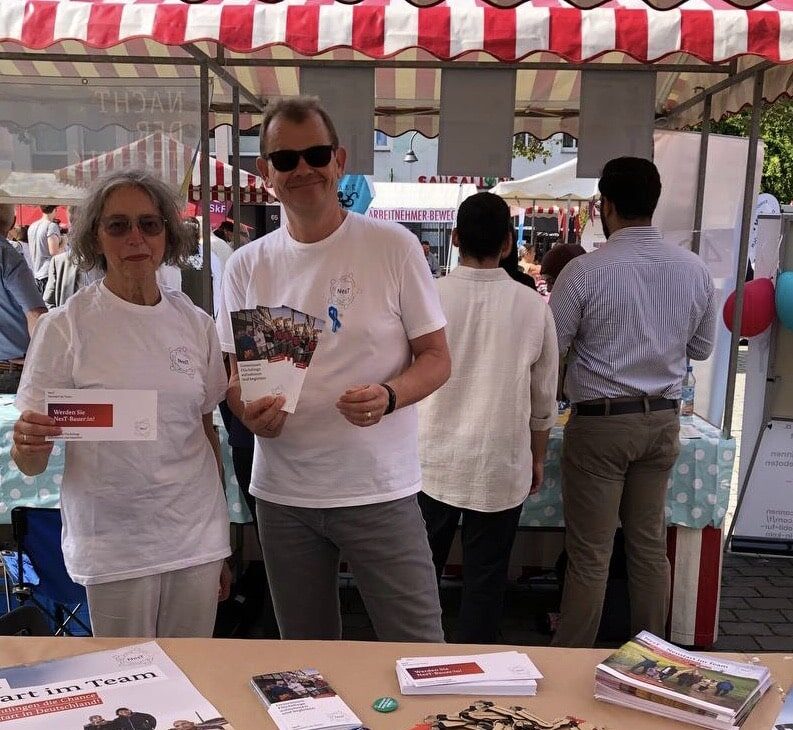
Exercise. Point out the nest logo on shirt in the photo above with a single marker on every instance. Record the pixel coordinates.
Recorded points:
(180, 361)
(343, 291)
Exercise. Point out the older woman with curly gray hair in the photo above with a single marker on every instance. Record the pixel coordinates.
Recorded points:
(145, 522)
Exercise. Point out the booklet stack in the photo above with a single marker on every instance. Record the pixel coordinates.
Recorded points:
(303, 700)
(498, 673)
(652, 675)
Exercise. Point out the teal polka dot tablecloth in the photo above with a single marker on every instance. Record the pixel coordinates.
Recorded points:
(17, 490)
(698, 490)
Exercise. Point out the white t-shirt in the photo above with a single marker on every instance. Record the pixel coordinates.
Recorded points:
(475, 430)
(374, 278)
(138, 508)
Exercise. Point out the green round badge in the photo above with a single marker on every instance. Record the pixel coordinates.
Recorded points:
(385, 704)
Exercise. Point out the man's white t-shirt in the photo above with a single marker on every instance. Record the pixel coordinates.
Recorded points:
(135, 508)
(370, 282)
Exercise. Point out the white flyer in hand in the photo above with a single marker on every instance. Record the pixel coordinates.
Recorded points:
(274, 348)
(103, 415)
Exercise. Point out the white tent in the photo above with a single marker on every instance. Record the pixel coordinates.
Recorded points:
(37, 188)
(418, 202)
(557, 186)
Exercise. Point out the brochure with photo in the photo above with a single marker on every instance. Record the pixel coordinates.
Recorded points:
(302, 699)
(274, 348)
(137, 686)
(103, 415)
(653, 675)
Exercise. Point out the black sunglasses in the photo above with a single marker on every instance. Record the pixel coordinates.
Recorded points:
(287, 160)
(117, 226)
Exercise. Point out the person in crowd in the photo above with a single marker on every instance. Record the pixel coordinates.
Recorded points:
(628, 316)
(145, 522)
(126, 719)
(44, 239)
(432, 259)
(556, 259)
(20, 306)
(510, 264)
(499, 331)
(341, 473)
(192, 285)
(14, 237)
(97, 721)
(527, 259)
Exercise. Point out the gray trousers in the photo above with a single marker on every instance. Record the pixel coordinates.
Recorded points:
(615, 469)
(181, 603)
(386, 547)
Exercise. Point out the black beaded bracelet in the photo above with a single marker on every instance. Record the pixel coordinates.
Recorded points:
(391, 399)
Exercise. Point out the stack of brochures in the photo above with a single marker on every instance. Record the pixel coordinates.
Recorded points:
(130, 687)
(498, 673)
(652, 675)
(302, 699)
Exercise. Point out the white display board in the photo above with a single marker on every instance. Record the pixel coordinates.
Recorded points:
(764, 518)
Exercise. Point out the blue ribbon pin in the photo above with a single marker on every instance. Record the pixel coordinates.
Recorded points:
(333, 313)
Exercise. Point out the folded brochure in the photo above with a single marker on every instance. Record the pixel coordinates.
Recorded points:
(274, 348)
(93, 414)
(139, 684)
(302, 699)
(495, 673)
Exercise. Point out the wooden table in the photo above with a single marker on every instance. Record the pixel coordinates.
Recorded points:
(362, 671)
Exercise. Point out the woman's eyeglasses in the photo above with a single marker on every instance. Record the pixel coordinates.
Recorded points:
(148, 225)
(287, 160)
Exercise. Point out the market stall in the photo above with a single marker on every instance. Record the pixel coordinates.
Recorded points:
(704, 60)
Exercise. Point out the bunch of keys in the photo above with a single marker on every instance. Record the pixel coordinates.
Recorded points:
(483, 715)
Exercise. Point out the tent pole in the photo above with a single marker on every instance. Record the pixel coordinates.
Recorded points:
(206, 194)
(743, 252)
(533, 222)
(235, 161)
(703, 166)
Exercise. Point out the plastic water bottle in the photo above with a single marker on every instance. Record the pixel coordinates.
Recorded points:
(687, 398)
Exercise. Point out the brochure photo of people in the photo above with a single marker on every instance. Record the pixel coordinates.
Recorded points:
(294, 685)
(276, 334)
(133, 719)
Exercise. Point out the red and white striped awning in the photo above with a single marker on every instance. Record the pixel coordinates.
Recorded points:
(171, 161)
(285, 35)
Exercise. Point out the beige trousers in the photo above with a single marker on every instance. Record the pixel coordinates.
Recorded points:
(181, 603)
(615, 470)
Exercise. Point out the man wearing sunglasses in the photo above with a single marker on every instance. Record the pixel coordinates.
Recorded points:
(340, 474)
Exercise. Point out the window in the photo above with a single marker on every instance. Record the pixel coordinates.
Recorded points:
(569, 143)
(49, 141)
(382, 141)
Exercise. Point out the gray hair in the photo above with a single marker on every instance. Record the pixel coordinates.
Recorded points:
(7, 217)
(85, 251)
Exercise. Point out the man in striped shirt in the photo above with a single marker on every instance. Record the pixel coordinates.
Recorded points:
(628, 316)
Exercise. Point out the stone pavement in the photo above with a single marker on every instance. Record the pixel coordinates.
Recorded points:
(756, 604)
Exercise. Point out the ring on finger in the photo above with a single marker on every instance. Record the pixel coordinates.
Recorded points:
(25, 437)
(368, 415)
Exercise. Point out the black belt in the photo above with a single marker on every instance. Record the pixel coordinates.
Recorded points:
(623, 407)
(8, 366)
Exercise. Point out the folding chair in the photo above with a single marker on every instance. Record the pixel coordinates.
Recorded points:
(25, 621)
(38, 573)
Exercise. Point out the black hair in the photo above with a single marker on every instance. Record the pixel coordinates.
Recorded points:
(482, 225)
(632, 185)
(47, 209)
